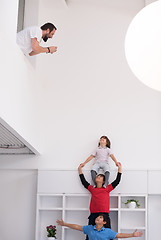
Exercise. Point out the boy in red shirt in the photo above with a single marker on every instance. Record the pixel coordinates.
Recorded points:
(100, 199)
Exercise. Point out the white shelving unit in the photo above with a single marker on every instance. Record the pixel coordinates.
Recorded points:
(74, 208)
(131, 219)
(69, 207)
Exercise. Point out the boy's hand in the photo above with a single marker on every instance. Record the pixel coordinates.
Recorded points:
(119, 167)
(80, 169)
(60, 222)
(137, 234)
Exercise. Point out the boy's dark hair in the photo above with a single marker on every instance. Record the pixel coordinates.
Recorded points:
(49, 26)
(105, 219)
(108, 143)
(102, 175)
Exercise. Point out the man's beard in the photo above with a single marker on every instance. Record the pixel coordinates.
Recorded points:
(45, 38)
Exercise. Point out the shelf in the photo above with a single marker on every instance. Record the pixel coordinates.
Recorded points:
(77, 201)
(133, 210)
(50, 209)
(50, 201)
(76, 209)
(78, 217)
(141, 200)
(73, 234)
(132, 228)
(114, 209)
(113, 202)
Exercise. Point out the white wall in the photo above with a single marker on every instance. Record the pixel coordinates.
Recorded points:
(18, 80)
(18, 204)
(86, 89)
(154, 212)
(83, 91)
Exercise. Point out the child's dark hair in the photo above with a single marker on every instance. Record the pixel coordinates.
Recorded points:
(108, 143)
(105, 219)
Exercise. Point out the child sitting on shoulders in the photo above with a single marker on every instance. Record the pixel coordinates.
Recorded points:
(101, 155)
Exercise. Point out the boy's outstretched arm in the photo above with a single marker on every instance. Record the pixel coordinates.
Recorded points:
(129, 235)
(72, 226)
(82, 178)
(118, 178)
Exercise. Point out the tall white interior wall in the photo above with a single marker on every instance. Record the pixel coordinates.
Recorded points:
(86, 89)
(17, 204)
(83, 91)
(18, 79)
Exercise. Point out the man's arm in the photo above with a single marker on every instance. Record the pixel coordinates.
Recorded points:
(72, 226)
(82, 178)
(118, 178)
(38, 49)
(129, 235)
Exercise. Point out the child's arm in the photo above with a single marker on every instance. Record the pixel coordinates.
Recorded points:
(72, 226)
(114, 159)
(88, 159)
(129, 235)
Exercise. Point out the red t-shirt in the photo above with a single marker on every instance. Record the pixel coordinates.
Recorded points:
(100, 199)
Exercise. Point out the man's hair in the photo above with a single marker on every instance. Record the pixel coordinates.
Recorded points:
(105, 219)
(49, 26)
(108, 144)
(102, 175)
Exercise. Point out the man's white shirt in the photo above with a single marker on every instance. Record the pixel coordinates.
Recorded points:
(24, 38)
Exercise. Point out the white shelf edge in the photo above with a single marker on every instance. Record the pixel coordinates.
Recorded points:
(73, 209)
(64, 194)
(132, 210)
(76, 209)
(114, 209)
(50, 194)
(77, 194)
(50, 209)
(132, 228)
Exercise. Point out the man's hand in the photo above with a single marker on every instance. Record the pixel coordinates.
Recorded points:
(137, 234)
(60, 222)
(53, 49)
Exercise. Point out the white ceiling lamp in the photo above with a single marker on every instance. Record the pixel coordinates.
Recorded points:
(143, 45)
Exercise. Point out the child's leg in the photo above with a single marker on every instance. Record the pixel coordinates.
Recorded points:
(107, 174)
(106, 169)
(93, 175)
(94, 172)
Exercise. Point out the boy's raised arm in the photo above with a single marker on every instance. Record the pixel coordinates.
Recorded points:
(82, 178)
(118, 178)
